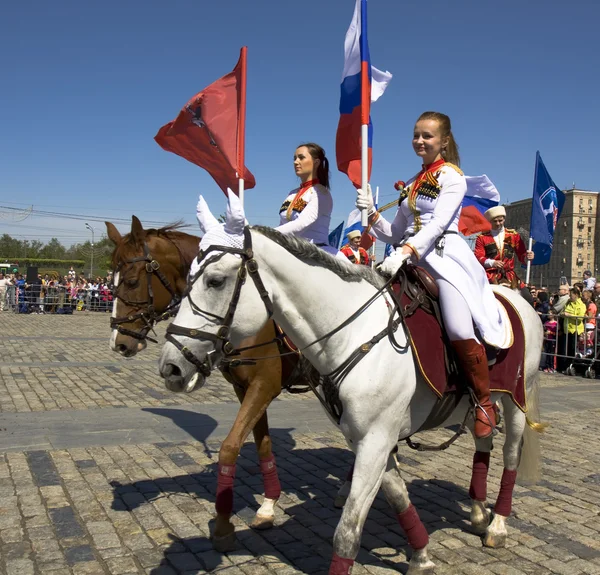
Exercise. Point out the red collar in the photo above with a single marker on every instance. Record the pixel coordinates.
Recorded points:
(307, 185)
(434, 166)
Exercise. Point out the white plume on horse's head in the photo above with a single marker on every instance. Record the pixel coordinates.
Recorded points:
(235, 221)
(204, 215)
(230, 234)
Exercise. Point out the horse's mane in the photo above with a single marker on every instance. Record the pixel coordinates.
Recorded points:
(130, 246)
(310, 253)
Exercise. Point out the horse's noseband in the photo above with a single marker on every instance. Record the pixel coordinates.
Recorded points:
(249, 266)
(149, 316)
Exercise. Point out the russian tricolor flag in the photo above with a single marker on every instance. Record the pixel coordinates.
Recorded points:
(480, 197)
(361, 85)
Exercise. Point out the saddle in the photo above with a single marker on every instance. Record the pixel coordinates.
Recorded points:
(417, 296)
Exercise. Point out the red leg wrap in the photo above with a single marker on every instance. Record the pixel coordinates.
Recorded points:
(507, 484)
(481, 464)
(270, 477)
(340, 566)
(225, 478)
(413, 527)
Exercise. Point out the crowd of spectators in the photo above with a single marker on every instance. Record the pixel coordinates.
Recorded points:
(52, 294)
(569, 316)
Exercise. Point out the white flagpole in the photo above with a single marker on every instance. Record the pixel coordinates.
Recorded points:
(529, 248)
(241, 190)
(364, 165)
(373, 246)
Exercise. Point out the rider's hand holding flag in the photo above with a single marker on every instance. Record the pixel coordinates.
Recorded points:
(364, 200)
(391, 264)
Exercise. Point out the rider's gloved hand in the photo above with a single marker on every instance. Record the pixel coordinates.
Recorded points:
(393, 262)
(364, 200)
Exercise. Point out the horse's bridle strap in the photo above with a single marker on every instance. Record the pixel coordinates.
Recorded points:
(149, 315)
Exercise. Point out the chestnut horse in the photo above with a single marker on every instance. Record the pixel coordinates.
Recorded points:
(150, 272)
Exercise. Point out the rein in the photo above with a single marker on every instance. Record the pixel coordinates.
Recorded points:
(148, 315)
(248, 266)
(331, 382)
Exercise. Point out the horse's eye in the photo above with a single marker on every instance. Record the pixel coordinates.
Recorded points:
(215, 282)
(132, 283)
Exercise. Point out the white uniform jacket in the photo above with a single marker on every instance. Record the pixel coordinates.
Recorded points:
(310, 217)
(430, 220)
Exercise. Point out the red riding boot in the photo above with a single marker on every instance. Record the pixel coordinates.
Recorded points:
(472, 358)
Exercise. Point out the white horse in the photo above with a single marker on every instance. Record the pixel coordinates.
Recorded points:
(383, 398)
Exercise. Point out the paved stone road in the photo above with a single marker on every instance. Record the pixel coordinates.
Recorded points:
(114, 475)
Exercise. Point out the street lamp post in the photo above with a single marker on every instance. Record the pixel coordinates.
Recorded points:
(92, 257)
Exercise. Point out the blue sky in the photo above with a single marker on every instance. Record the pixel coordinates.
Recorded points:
(86, 85)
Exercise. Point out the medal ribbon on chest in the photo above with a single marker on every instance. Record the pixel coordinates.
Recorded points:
(426, 176)
(296, 201)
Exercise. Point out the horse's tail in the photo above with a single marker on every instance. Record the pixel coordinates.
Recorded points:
(529, 470)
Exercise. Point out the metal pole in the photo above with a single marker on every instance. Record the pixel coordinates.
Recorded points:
(92, 258)
(92, 254)
(529, 248)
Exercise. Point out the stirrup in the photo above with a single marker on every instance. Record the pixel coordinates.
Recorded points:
(476, 406)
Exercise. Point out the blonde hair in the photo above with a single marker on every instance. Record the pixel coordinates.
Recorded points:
(450, 152)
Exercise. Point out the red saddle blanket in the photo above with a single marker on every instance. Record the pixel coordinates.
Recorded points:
(506, 375)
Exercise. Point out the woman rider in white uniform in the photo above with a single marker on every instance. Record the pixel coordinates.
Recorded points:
(306, 212)
(426, 224)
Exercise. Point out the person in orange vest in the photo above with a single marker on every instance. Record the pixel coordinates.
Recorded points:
(498, 250)
(353, 251)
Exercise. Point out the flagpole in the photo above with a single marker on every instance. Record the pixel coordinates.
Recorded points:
(365, 107)
(364, 168)
(373, 246)
(530, 246)
(241, 132)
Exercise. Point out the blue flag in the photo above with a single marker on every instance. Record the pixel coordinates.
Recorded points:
(546, 207)
(388, 251)
(335, 237)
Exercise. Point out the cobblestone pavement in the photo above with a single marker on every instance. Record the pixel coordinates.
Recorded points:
(121, 507)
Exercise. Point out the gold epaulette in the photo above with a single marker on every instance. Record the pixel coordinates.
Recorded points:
(453, 166)
(509, 231)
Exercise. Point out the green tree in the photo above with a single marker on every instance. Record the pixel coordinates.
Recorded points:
(53, 250)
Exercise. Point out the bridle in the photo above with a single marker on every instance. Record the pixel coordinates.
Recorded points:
(249, 266)
(330, 383)
(147, 313)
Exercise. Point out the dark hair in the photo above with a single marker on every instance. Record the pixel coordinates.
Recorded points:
(450, 152)
(575, 291)
(542, 296)
(318, 153)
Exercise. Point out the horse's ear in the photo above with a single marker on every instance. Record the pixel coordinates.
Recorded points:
(205, 217)
(137, 230)
(113, 233)
(235, 220)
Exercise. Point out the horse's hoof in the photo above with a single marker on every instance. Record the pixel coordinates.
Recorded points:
(224, 543)
(494, 540)
(479, 528)
(262, 522)
(339, 502)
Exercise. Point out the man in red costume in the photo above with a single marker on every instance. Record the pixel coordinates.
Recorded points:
(353, 251)
(498, 249)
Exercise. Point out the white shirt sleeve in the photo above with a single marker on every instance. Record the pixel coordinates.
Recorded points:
(319, 204)
(488, 263)
(453, 189)
(390, 233)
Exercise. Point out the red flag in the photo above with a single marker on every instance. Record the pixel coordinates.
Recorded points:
(209, 130)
